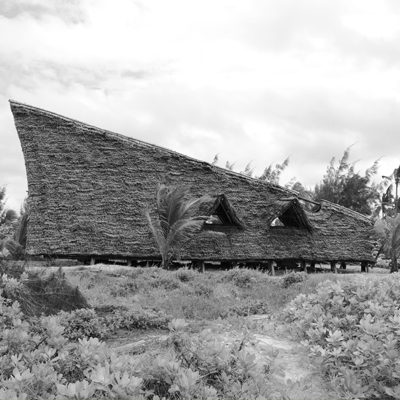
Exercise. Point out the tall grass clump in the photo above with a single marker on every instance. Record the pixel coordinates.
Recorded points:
(352, 330)
(39, 293)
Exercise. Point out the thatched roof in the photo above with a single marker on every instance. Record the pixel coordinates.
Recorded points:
(89, 188)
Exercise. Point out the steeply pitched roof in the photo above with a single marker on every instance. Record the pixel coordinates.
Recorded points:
(88, 189)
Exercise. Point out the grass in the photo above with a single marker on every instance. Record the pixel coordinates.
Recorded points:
(189, 294)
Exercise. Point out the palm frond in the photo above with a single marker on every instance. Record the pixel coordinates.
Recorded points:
(178, 219)
(215, 159)
(184, 230)
(373, 170)
(157, 232)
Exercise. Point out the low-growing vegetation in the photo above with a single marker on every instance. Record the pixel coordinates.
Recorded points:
(54, 346)
(352, 331)
(39, 361)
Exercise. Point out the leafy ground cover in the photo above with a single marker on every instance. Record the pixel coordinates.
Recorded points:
(352, 331)
(85, 353)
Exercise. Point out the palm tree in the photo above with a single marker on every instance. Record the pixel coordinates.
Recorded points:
(16, 245)
(388, 232)
(7, 215)
(178, 220)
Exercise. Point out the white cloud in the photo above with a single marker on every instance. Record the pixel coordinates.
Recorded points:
(252, 80)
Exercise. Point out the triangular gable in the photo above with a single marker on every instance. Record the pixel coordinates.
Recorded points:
(222, 213)
(291, 214)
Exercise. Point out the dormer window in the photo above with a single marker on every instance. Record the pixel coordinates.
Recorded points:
(291, 215)
(222, 214)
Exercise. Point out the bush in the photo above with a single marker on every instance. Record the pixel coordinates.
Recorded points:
(293, 277)
(167, 281)
(54, 293)
(383, 263)
(186, 275)
(352, 330)
(250, 307)
(82, 323)
(244, 278)
(141, 319)
(12, 269)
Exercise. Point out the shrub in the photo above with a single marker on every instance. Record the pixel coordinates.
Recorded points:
(293, 277)
(54, 293)
(244, 278)
(82, 323)
(352, 330)
(185, 274)
(12, 269)
(250, 307)
(140, 319)
(383, 263)
(167, 281)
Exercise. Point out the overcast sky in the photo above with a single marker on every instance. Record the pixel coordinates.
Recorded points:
(254, 80)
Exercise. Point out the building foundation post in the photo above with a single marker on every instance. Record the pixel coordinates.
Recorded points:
(312, 266)
(333, 267)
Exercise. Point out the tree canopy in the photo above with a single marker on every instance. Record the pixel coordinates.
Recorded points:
(342, 185)
(7, 215)
(178, 220)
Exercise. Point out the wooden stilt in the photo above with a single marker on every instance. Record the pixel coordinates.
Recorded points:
(312, 266)
(363, 263)
(92, 261)
(271, 267)
(333, 267)
(201, 266)
(303, 265)
(285, 269)
(129, 262)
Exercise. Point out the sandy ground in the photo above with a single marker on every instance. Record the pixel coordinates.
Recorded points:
(292, 374)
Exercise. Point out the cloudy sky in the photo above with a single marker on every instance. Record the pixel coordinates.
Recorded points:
(254, 80)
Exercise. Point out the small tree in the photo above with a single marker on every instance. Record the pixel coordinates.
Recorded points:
(342, 185)
(7, 215)
(388, 233)
(178, 220)
(8, 218)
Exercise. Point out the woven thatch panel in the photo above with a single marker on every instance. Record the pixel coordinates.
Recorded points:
(88, 189)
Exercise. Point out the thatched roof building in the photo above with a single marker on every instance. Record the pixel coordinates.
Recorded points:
(89, 188)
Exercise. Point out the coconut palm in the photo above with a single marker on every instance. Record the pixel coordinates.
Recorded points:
(388, 232)
(16, 245)
(178, 220)
(7, 216)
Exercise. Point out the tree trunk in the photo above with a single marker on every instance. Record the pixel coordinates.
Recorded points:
(165, 260)
(271, 267)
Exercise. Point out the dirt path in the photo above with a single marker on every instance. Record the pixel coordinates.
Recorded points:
(294, 375)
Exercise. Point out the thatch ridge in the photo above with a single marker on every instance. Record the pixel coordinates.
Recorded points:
(345, 210)
(146, 144)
